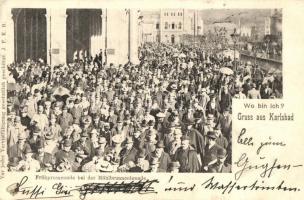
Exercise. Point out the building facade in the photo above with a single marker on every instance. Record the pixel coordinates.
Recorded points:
(150, 26)
(170, 25)
(56, 34)
(273, 23)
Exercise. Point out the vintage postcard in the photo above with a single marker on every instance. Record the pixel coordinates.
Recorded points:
(151, 100)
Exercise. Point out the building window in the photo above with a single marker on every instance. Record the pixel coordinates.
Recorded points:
(179, 25)
(157, 25)
(166, 25)
(173, 26)
(181, 14)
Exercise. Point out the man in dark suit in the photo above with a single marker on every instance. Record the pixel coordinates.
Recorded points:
(66, 153)
(163, 158)
(220, 166)
(85, 144)
(128, 153)
(225, 123)
(35, 138)
(44, 158)
(211, 149)
(197, 140)
(187, 157)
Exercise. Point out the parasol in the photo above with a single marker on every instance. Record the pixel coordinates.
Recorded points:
(226, 70)
(61, 93)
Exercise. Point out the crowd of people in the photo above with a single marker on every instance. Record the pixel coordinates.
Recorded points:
(170, 113)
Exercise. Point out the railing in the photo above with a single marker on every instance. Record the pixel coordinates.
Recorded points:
(275, 58)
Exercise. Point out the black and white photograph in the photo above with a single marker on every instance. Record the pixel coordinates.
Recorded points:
(134, 90)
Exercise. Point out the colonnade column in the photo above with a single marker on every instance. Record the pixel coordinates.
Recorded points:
(133, 37)
(100, 32)
(103, 33)
(56, 36)
(95, 33)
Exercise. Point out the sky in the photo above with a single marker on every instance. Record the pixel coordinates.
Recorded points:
(247, 16)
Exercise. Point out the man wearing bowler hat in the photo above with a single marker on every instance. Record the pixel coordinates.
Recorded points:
(65, 153)
(102, 146)
(187, 157)
(225, 123)
(128, 153)
(65, 119)
(197, 140)
(85, 144)
(211, 148)
(220, 166)
(36, 136)
(44, 158)
(141, 165)
(162, 157)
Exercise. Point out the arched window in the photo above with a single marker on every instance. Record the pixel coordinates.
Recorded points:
(173, 25)
(179, 25)
(166, 25)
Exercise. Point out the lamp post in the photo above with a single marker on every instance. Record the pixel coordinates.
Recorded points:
(235, 37)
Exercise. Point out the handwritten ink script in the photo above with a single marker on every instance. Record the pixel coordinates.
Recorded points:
(140, 187)
(230, 186)
(59, 190)
(267, 168)
(226, 187)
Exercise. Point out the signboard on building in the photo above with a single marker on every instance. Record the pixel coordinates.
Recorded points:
(55, 51)
(110, 51)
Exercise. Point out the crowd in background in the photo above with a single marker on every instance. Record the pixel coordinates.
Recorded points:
(170, 113)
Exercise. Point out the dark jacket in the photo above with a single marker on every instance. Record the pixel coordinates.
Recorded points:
(164, 162)
(210, 153)
(128, 155)
(188, 160)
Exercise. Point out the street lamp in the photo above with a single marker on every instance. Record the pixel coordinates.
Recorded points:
(235, 37)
